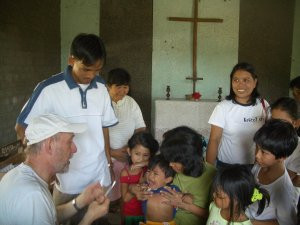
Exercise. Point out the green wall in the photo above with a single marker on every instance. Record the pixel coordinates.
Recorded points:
(172, 43)
(172, 47)
(295, 67)
(77, 16)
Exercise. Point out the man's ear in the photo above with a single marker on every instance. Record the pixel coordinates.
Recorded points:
(48, 146)
(71, 60)
(128, 151)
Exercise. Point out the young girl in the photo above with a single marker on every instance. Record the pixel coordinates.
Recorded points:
(182, 147)
(275, 141)
(235, 120)
(141, 147)
(234, 189)
(286, 109)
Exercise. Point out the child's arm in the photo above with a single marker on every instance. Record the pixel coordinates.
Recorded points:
(139, 191)
(176, 199)
(292, 174)
(266, 222)
(143, 178)
(126, 194)
(294, 177)
(139, 165)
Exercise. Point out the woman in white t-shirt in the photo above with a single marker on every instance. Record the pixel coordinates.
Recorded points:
(130, 119)
(235, 120)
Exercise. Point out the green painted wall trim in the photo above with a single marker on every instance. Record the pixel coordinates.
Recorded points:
(77, 16)
(295, 67)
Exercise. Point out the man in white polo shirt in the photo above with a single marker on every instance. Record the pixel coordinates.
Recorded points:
(25, 197)
(79, 95)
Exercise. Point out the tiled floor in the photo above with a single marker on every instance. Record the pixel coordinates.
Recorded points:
(114, 218)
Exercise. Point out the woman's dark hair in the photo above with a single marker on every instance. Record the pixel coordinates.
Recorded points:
(278, 137)
(163, 164)
(250, 69)
(288, 105)
(184, 145)
(118, 77)
(239, 184)
(89, 48)
(145, 139)
(295, 83)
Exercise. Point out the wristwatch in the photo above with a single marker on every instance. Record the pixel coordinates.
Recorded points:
(75, 205)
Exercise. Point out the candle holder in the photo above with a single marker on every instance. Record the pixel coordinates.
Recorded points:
(168, 92)
(219, 92)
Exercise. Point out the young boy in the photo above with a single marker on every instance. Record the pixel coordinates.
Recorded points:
(79, 95)
(275, 141)
(159, 175)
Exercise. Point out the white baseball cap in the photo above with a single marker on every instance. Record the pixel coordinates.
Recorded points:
(45, 126)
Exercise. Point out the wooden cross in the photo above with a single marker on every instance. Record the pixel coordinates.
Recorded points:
(195, 21)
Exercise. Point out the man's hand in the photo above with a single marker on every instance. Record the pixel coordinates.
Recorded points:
(120, 154)
(95, 211)
(91, 193)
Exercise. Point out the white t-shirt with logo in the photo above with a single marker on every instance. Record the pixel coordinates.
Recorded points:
(239, 124)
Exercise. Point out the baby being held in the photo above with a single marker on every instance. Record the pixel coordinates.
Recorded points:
(159, 175)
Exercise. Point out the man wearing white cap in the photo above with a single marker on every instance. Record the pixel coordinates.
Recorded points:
(25, 197)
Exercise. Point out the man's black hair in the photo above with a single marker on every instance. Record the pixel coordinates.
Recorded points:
(89, 48)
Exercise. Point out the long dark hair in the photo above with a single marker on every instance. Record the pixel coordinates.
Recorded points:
(145, 139)
(184, 145)
(239, 184)
(250, 69)
(288, 105)
(118, 77)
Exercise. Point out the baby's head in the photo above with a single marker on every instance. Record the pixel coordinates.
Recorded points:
(159, 172)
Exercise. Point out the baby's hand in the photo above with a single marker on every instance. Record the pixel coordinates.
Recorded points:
(139, 165)
(143, 193)
(144, 187)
